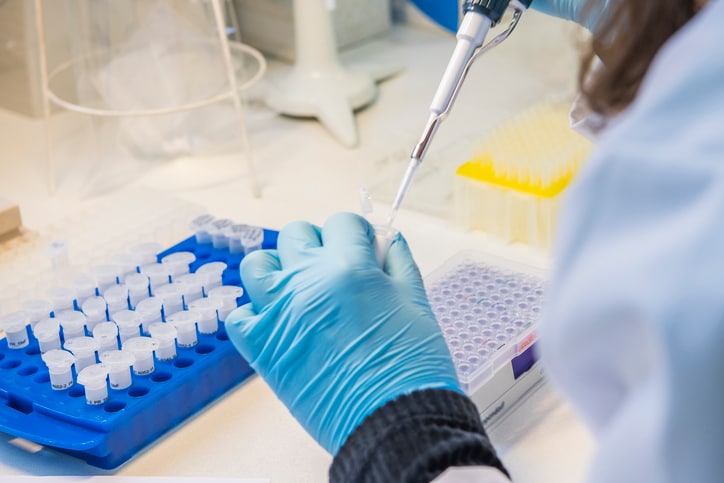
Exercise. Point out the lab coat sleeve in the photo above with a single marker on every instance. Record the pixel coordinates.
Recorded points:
(634, 326)
(415, 438)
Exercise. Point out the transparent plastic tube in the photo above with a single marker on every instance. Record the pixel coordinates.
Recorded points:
(149, 311)
(138, 288)
(212, 274)
(117, 298)
(61, 298)
(93, 378)
(178, 263)
(172, 298)
(201, 226)
(37, 310)
(47, 332)
(191, 286)
(207, 309)
(59, 364)
(119, 364)
(72, 322)
(165, 334)
(158, 275)
(185, 323)
(106, 333)
(142, 349)
(16, 332)
(84, 350)
(94, 309)
(227, 294)
(129, 324)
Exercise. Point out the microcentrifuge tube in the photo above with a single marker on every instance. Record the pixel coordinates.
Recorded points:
(207, 309)
(85, 287)
(125, 264)
(59, 364)
(234, 233)
(158, 275)
(106, 276)
(165, 334)
(201, 226)
(119, 364)
(217, 231)
(117, 298)
(185, 323)
(61, 298)
(16, 332)
(106, 333)
(37, 310)
(142, 349)
(137, 284)
(252, 239)
(212, 274)
(72, 322)
(149, 311)
(84, 350)
(58, 253)
(93, 378)
(47, 332)
(94, 309)
(192, 287)
(179, 263)
(228, 295)
(129, 324)
(146, 253)
(172, 298)
(384, 236)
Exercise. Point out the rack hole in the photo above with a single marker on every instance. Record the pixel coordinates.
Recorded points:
(27, 371)
(222, 335)
(33, 350)
(114, 406)
(43, 378)
(183, 362)
(76, 391)
(205, 349)
(10, 364)
(138, 391)
(160, 376)
(2, 356)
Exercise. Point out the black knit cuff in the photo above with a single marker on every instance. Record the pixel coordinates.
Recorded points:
(414, 438)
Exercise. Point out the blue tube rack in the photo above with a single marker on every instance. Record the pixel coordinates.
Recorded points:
(110, 434)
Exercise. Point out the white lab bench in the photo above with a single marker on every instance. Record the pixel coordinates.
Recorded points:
(306, 174)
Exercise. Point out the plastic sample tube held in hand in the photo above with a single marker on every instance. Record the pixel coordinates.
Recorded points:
(158, 275)
(179, 263)
(149, 311)
(84, 350)
(129, 324)
(137, 284)
(172, 298)
(36, 310)
(117, 298)
(94, 309)
(207, 309)
(72, 323)
(212, 274)
(106, 333)
(59, 364)
(201, 226)
(185, 323)
(165, 334)
(16, 332)
(227, 294)
(47, 332)
(142, 349)
(61, 298)
(119, 365)
(93, 378)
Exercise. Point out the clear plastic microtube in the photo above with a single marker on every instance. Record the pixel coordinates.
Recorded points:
(16, 332)
(228, 295)
(61, 298)
(125, 264)
(207, 309)
(129, 324)
(117, 298)
(179, 263)
(36, 310)
(72, 322)
(59, 364)
(85, 287)
(252, 239)
(171, 297)
(212, 274)
(192, 287)
(84, 349)
(93, 378)
(146, 253)
(185, 323)
(94, 309)
(47, 332)
(142, 349)
(217, 230)
(106, 276)
(233, 233)
(137, 284)
(149, 311)
(165, 334)
(201, 226)
(119, 365)
(106, 333)
(158, 275)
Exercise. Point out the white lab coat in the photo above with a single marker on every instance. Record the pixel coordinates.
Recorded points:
(633, 334)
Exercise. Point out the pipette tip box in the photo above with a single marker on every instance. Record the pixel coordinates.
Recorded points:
(107, 435)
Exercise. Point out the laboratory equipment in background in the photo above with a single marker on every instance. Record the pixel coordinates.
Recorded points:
(139, 82)
(318, 85)
(10, 220)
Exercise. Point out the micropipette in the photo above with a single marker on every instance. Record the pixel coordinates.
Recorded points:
(479, 17)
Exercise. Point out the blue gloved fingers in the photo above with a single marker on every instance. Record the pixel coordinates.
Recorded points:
(574, 10)
(259, 272)
(350, 237)
(400, 265)
(239, 325)
(296, 241)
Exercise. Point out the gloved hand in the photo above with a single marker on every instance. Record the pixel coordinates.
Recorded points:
(575, 10)
(332, 333)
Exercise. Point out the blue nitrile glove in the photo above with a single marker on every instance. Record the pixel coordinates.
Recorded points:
(574, 10)
(332, 333)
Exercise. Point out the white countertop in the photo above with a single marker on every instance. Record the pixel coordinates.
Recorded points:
(305, 174)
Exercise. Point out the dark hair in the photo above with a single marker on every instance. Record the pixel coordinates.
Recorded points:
(627, 38)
